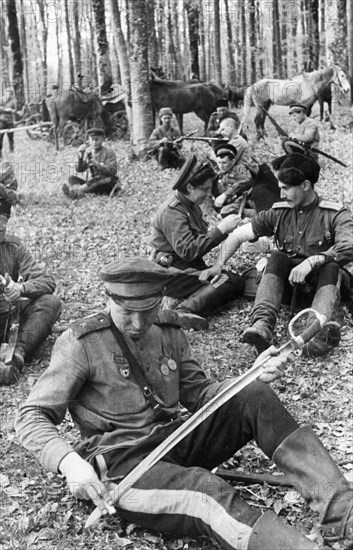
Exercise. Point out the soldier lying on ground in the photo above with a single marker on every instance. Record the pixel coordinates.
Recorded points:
(314, 239)
(180, 238)
(38, 308)
(99, 162)
(93, 373)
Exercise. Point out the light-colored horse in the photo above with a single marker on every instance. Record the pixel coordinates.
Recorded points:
(303, 88)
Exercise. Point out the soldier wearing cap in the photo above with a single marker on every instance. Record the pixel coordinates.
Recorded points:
(314, 239)
(95, 373)
(306, 132)
(100, 164)
(232, 180)
(222, 110)
(180, 237)
(164, 141)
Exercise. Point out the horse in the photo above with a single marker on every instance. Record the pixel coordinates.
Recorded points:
(235, 95)
(304, 88)
(73, 105)
(185, 97)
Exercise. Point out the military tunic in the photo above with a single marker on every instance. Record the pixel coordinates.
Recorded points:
(89, 376)
(180, 230)
(323, 227)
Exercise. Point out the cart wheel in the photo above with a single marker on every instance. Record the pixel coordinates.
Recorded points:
(72, 135)
(36, 132)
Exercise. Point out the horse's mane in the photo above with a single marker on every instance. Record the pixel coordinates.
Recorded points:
(318, 74)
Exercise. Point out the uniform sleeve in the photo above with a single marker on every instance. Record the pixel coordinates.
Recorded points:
(110, 166)
(196, 388)
(264, 223)
(35, 281)
(81, 165)
(47, 403)
(212, 126)
(307, 133)
(175, 225)
(8, 191)
(342, 249)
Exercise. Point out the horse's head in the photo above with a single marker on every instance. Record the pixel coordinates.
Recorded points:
(341, 80)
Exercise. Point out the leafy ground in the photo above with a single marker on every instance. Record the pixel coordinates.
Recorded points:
(73, 239)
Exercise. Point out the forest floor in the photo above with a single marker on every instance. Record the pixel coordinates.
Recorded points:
(73, 239)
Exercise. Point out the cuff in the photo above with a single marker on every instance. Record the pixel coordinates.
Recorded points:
(217, 235)
(53, 453)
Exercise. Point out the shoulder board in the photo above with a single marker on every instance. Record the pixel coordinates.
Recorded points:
(174, 202)
(92, 323)
(330, 205)
(168, 317)
(12, 239)
(281, 204)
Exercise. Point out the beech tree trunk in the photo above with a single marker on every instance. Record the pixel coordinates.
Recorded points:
(142, 119)
(14, 37)
(217, 43)
(104, 65)
(69, 44)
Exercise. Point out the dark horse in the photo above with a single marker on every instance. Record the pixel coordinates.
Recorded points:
(304, 88)
(185, 97)
(76, 106)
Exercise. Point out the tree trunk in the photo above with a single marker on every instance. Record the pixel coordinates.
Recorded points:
(350, 43)
(58, 30)
(171, 55)
(193, 14)
(252, 38)
(243, 43)
(77, 39)
(277, 49)
(142, 119)
(104, 65)
(202, 59)
(152, 38)
(123, 56)
(24, 54)
(314, 35)
(217, 43)
(43, 50)
(69, 44)
(14, 37)
(231, 63)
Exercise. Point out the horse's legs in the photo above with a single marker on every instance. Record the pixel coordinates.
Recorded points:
(260, 118)
(10, 137)
(180, 121)
(1, 142)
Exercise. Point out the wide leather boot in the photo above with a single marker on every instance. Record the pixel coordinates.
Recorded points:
(271, 533)
(309, 466)
(206, 300)
(326, 301)
(264, 313)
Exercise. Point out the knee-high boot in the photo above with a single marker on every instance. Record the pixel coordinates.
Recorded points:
(271, 533)
(326, 301)
(264, 313)
(306, 462)
(207, 299)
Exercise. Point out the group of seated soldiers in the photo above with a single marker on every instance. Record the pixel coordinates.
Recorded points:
(123, 371)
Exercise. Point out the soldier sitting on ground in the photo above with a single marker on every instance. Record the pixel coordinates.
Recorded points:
(233, 179)
(122, 374)
(306, 132)
(24, 282)
(164, 141)
(100, 164)
(314, 239)
(8, 195)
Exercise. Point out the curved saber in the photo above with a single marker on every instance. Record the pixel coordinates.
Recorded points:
(295, 343)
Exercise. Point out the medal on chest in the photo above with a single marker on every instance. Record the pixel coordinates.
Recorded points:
(123, 367)
(167, 364)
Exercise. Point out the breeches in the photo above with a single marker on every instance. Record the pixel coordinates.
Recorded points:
(180, 495)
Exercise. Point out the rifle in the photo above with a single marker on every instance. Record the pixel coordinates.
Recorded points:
(13, 321)
(207, 139)
(283, 133)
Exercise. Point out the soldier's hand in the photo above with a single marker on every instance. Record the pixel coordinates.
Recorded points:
(163, 140)
(299, 273)
(229, 223)
(275, 366)
(84, 483)
(12, 290)
(212, 274)
(220, 200)
(82, 148)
